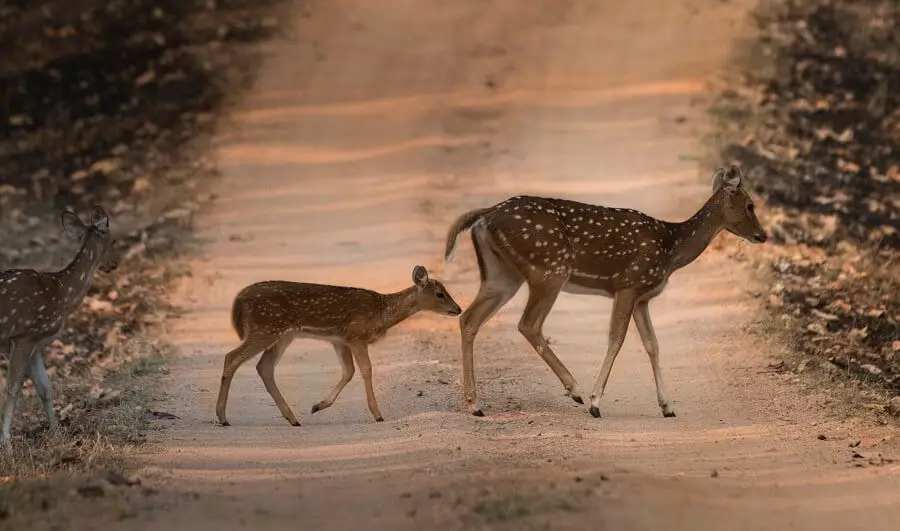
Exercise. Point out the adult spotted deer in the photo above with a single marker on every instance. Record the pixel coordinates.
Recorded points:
(35, 305)
(557, 245)
(268, 316)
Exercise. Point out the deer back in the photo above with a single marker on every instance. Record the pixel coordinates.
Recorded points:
(30, 304)
(317, 310)
(599, 247)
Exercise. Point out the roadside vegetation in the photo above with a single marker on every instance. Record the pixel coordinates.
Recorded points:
(108, 103)
(812, 114)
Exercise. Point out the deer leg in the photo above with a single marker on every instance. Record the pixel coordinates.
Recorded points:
(623, 304)
(251, 346)
(361, 355)
(346, 358)
(541, 298)
(498, 286)
(651, 345)
(20, 352)
(37, 371)
(266, 369)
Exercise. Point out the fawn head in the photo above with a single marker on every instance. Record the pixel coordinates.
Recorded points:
(432, 295)
(739, 210)
(98, 229)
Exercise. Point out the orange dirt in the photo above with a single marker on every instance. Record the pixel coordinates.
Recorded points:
(368, 132)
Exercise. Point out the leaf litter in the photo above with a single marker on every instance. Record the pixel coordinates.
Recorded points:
(813, 117)
(110, 103)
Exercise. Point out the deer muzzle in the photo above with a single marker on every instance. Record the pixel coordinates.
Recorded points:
(760, 237)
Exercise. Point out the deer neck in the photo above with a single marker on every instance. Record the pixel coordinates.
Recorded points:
(694, 235)
(398, 307)
(75, 279)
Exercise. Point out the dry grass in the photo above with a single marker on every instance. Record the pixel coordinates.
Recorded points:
(847, 393)
(100, 426)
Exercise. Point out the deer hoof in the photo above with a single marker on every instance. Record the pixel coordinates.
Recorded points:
(595, 412)
(315, 408)
(225, 423)
(668, 413)
(578, 399)
(379, 419)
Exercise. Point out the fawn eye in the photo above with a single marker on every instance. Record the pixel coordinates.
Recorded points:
(439, 295)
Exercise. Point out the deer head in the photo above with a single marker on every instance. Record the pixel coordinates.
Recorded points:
(739, 213)
(97, 230)
(431, 294)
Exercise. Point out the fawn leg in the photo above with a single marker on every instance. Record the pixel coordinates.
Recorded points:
(251, 346)
(266, 369)
(346, 358)
(361, 355)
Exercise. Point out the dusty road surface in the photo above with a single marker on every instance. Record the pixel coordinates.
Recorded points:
(369, 131)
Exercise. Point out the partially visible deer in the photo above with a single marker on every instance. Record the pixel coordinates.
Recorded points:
(268, 316)
(34, 307)
(557, 245)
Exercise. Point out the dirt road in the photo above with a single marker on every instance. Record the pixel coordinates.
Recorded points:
(368, 133)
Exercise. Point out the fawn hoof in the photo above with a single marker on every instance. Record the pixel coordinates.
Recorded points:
(668, 412)
(224, 423)
(379, 419)
(578, 399)
(478, 413)
(315, 408)
(294, 423)
(595, 412)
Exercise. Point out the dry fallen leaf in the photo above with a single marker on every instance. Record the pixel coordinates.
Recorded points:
(141, 184)
(823, 315)
(98, 305)
(106, 166)
(145, 78)
(817, 328)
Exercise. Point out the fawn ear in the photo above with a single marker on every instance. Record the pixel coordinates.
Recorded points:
(72, 225)
(99, 219)
(420, 276)
(730, 178)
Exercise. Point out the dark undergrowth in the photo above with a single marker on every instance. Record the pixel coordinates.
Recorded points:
(814, 118)
(109, 102)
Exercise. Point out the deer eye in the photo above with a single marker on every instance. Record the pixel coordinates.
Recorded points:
(751, 208)
(439, 295)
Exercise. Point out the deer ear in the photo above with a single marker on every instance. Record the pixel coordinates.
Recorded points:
(718, 180)
(72, 225)
(723, 178)
(99, 219)
(733, 177)
(420, 276)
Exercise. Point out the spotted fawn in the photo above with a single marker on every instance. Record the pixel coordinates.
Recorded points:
(268, 316)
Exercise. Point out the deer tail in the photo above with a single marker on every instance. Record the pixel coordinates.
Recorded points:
(237, 317)
(462, 224)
